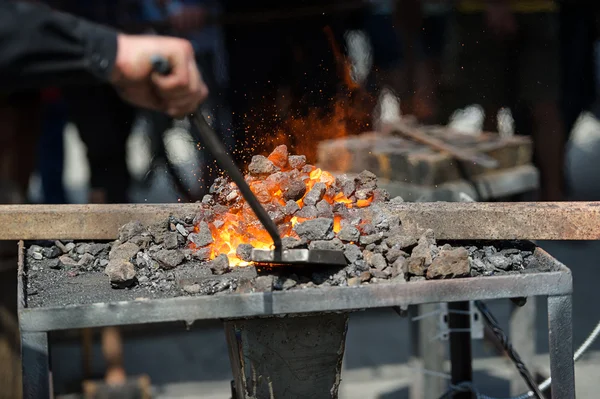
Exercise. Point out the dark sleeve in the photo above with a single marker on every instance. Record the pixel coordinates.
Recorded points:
(41, 47)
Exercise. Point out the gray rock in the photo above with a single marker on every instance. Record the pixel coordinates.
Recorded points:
(377, 261)
(294, 191)
(398, 267)
(500, 262)
(170, 240)
(315, 194)
(51, 252)
(264, 283)
(103, 262)
(371, 239)
(120, 272)
(169, 258)
(203, 237)
(142, 260)
(130, 230)
(324, 209)
(363, 193)
(124, 251)
(297, 161)
(192, 289)
(292, 242)
(285, 283)
(308, 212)
(34, 249)
(400, 241)
(244, 252)
(332, 245)
(219, 265)
(86, 261)
(381, 195)
(70, 246)
(208, 200)
(291, 207)
(67, 261)
(37, 255)
(316, 229)
(450, 263)
(181, 230)
(394, 253)
(82, 248)
(349, 234)
(158, 231)
(379, 274)
(142, 279)
(415, 266)
(260, 165)
(424, 248)
(366, 179)
(353, 253)
(346, 185)
(202, 253)
(96, 249)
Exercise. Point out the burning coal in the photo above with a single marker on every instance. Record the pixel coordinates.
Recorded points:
(291, 191)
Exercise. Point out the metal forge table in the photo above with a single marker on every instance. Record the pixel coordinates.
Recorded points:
(290, 344)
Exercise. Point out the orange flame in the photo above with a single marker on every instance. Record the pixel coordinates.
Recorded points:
(237, 224)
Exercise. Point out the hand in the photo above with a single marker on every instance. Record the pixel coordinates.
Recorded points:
(500, 19)
(176, 94)
(189, 18)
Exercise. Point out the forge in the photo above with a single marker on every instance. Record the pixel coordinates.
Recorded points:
(94, 266)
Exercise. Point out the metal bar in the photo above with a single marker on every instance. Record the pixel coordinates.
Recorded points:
(289, 357)
(452, 220)
(461, 358)
(294, 301)
(207, 136)
(560, 323)
(36, 365)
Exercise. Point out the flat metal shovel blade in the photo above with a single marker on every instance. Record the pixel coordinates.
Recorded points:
(299, 257)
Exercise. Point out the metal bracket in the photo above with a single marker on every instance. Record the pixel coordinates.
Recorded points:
(476, 322)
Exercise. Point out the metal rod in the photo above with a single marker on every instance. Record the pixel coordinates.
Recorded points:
(203, 133)
(560, 326)
(460, 346)
(207, 136)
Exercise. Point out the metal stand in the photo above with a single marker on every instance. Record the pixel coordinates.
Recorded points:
(562, 367)
(289, 357)
(291, 343)
(459, 323)
(36, 365)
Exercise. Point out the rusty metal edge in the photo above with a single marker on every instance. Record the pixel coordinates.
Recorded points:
(329, 299)
(449, 220)
(21, 304)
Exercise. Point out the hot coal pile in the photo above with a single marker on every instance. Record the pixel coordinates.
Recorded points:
(209, 252)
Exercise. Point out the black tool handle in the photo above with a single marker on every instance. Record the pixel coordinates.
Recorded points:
(203, 133)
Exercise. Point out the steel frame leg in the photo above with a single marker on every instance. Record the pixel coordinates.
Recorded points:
(36, 365)
(562, 366)
(287, 357)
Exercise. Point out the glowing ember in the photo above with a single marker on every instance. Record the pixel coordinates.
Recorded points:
(281, 183)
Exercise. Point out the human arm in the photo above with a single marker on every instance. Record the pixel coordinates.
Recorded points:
(40, 47)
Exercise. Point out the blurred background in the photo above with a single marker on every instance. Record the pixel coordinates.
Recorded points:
(505, 69)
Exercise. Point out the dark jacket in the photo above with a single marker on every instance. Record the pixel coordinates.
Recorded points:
(39, 47)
